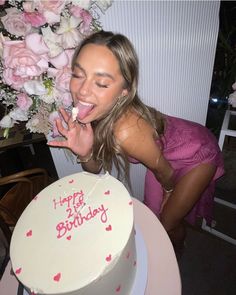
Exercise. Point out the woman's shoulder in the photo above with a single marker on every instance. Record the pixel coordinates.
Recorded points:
(131, 124)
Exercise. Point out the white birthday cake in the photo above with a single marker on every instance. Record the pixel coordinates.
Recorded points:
(76, 237)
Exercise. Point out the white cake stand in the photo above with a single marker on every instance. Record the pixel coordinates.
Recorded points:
(140, 281)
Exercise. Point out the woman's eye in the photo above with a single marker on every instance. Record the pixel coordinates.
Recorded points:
(101, 85)
(78, 76)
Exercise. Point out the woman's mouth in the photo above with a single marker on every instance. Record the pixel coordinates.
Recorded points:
(83, 109)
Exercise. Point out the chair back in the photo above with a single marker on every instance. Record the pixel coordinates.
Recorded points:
(18, 190)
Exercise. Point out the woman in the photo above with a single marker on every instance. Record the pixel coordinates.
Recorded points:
(114, 126)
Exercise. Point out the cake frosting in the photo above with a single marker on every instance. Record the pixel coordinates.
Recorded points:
(74, 113)
(76, 237)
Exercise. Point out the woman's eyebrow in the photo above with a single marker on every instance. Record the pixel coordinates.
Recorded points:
(77, 65)
(104, 74)
(100, 74)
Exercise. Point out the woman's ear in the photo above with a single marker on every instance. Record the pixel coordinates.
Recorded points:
(124, 92)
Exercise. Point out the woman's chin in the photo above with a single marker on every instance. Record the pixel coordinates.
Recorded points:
(86, 120)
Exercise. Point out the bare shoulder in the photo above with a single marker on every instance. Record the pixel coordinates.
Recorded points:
(137, 138)
(132, 125)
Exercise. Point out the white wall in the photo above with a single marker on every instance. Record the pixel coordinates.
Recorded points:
(175, 42)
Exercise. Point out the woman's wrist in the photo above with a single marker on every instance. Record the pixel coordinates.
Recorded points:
(84, 159)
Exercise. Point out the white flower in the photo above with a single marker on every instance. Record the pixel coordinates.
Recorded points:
(234, 86)
(232, 99)
(53, 41)
(104, 4)
(35, 87)
(51, 96)
(51, 17)
(32, 124)
(70, 36)
(7, 122)
(84, 4)
(18, 115)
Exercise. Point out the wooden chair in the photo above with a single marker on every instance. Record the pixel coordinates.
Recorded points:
(5, 238)
(17, 190)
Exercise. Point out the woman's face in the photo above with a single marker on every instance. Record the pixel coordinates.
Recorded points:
(96, 82)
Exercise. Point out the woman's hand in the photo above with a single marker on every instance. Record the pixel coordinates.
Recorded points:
(78, 137)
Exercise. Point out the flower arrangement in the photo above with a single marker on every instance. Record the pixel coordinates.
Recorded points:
(232, 96)
(37, 41)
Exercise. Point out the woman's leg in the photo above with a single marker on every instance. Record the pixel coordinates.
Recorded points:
(187, 192)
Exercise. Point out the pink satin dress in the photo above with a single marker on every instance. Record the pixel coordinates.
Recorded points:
(185, 145)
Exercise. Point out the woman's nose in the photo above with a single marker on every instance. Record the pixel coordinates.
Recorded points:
(85, 87)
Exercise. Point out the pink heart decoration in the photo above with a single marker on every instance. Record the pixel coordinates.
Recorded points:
(118, 288)
(108, 258)
(130, 203)
(109, 228)
(68, 238)
(57, 277)
(18, 271)
(71, 181)
(107, 192)
(29, 233)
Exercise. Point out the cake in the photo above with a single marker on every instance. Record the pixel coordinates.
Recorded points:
(74, 113)
(77, 237)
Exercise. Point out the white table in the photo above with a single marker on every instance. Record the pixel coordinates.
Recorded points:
(163, 271)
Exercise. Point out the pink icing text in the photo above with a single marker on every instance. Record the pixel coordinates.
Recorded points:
(75, 218)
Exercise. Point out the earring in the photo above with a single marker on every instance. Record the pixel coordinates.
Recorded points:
(120, 100)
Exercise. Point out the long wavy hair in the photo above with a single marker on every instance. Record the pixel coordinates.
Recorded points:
(106, 148)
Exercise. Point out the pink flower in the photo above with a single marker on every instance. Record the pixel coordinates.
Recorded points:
(22, 60)
(62, 81)
(54, 5)
(36, 44)
(66, 99)
(23, 101)
(51, 10)
(35, 18)
(60, 61)
(62, 70)
(87, 19)
(14, 22)
(84, 15)
(76, 10)
(15, 81)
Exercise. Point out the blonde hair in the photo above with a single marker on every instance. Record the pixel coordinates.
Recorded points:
(105, 147)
